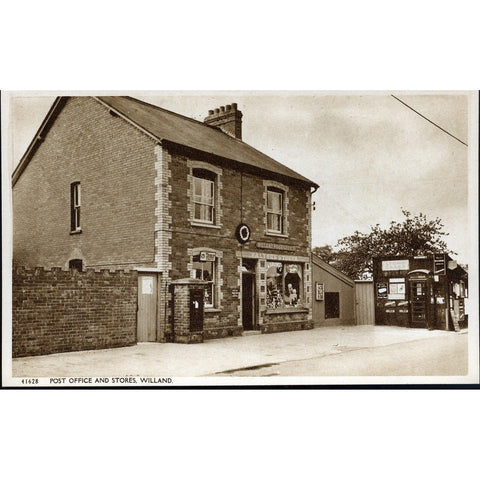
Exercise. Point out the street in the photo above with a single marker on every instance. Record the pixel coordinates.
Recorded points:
(327, 351)
(434, 356)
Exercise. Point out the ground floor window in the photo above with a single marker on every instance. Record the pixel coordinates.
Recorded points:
(332, 305)
(284, 285)
(396, 289)
(205, 269)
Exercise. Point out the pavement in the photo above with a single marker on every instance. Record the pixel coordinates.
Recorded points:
(245, 355)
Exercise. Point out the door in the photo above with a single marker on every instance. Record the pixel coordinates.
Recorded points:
(364, 303)
(248, 301)
(147, 308)
(418, 297)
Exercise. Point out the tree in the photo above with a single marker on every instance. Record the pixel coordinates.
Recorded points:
(326, 253)
(415, 235)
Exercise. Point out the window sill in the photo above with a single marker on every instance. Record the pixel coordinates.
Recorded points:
(74, 232)
(274, 234)
(205, 225)
(274, 311)
(212, 310)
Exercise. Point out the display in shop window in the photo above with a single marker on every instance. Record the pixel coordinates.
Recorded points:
(205, 270)
(284, 283)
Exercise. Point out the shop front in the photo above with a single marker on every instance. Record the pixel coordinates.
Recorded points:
(420, 292)
(275, 292)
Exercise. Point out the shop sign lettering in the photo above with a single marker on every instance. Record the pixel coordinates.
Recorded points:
(276, 246)
(207, 256)
(392, 265)
(382, 290)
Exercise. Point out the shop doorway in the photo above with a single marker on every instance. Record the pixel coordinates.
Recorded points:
(249, 318)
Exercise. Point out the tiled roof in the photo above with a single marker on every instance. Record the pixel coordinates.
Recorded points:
(166, 125)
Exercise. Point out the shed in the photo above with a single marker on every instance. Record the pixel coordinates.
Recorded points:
(333, 296)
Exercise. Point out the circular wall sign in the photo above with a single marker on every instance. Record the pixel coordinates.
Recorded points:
(243, 233)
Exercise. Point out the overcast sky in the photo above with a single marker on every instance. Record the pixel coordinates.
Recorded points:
(370, 154)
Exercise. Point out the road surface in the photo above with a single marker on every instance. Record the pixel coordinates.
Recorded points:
(432, 356)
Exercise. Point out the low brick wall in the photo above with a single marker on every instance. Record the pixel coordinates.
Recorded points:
(222, 332)
(286, 321)
(62, 311)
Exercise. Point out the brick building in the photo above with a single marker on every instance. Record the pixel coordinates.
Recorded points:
(113, 182)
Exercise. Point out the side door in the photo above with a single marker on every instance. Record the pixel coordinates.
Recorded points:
(147, 307)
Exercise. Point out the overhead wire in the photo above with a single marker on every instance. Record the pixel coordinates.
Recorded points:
(428, 120)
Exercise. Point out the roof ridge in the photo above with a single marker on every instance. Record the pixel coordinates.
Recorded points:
(338, 273)
(151, 109)
(218, 129)
(169, 111)
(213, 127)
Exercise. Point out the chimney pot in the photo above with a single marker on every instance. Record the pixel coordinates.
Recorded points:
(226, 118)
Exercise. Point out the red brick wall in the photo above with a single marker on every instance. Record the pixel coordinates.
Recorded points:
(63, 311)
(114, 162)
(185, 236)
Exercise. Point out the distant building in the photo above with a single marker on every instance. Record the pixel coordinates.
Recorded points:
(113, 182)
(423, 291)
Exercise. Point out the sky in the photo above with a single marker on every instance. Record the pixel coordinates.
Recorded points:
(370, 154)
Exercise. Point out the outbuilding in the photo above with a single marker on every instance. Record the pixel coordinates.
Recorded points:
(334, 295)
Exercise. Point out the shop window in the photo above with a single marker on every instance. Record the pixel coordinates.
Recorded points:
(284, 285)
(75, 203)
(274, 210)
(396, 289)
(206, 270)
(332, 305)
(204, 195)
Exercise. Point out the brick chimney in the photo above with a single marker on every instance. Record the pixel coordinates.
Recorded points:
(227, 118)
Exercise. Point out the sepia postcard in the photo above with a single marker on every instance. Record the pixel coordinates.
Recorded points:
(179, 239)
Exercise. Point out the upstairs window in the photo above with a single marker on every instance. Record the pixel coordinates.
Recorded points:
(75, 203)
(204, 196)
(274, 210)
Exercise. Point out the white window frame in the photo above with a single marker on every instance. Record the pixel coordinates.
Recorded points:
(278, 213)
(203, 199)
(76, 203)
